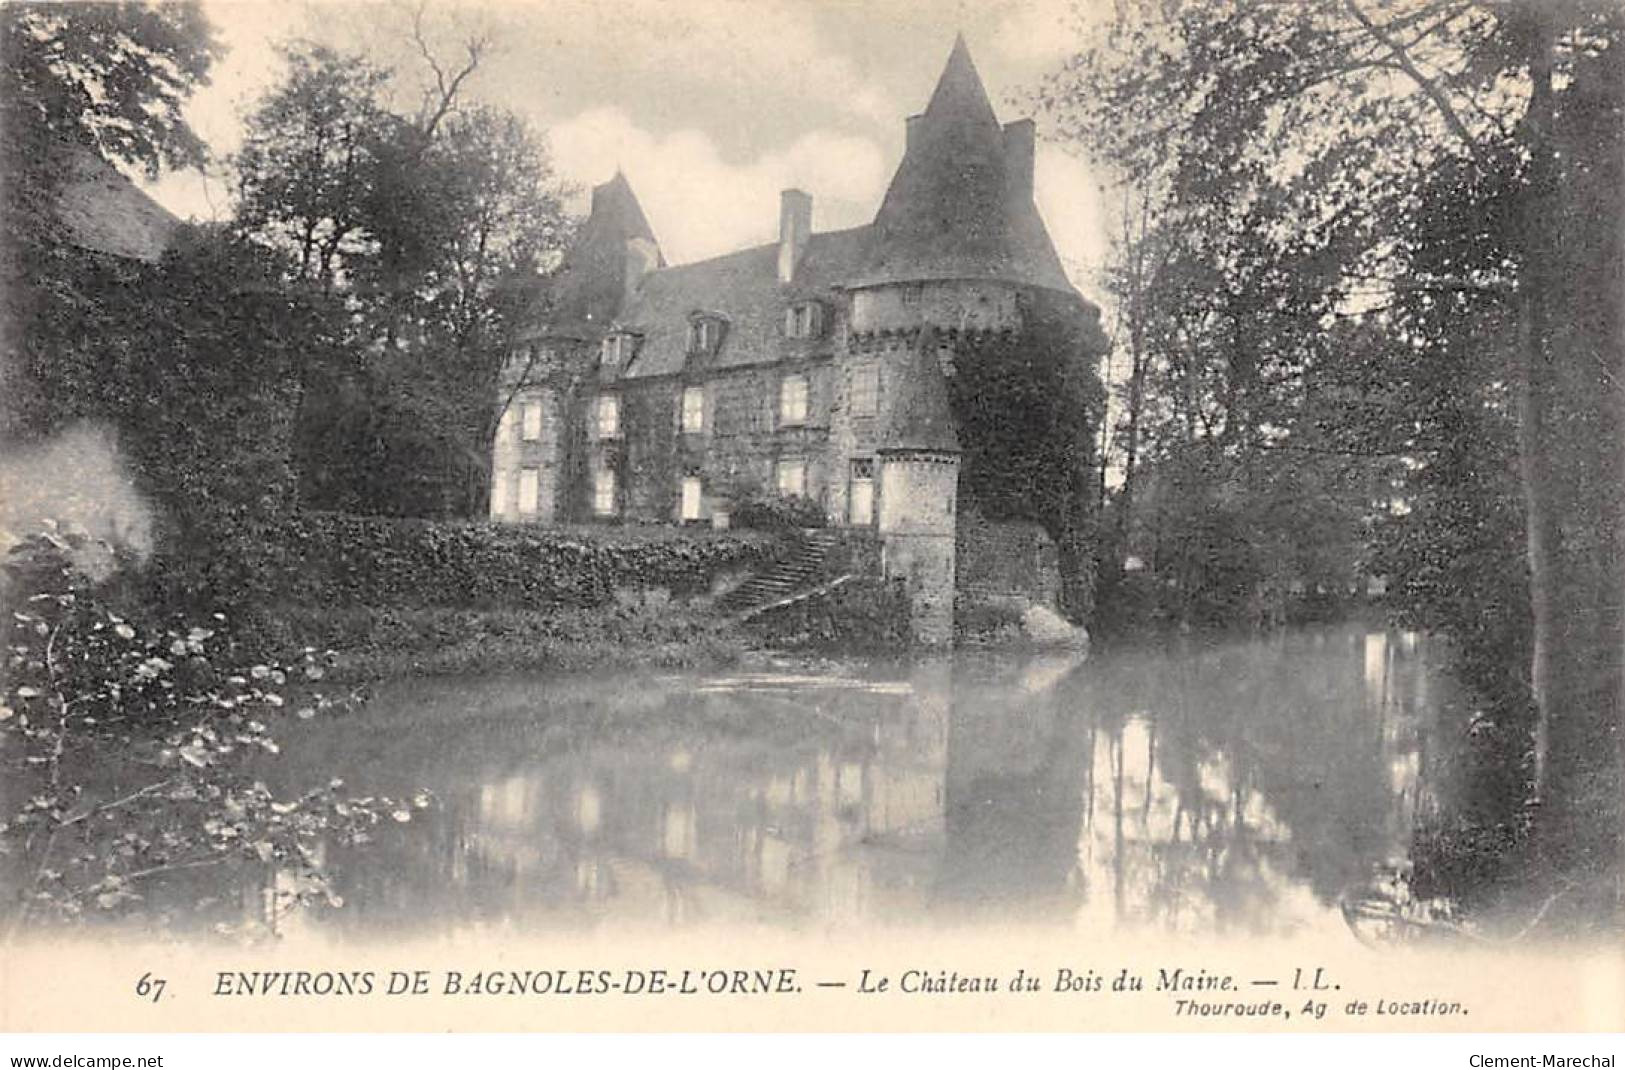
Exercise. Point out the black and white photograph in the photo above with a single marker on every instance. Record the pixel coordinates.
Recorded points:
(859, 515)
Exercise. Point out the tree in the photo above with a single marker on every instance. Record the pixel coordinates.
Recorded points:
(433, 226)
(109, 76)
(1354, 105)
(306, 167)
(103, 79)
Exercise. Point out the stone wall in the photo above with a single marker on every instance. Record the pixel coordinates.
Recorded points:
(736, 451)
(1007, 558)
(959, 305)
(917, 519)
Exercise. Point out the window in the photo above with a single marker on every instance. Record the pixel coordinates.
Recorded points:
(603, 491)
(703, 334)
(865, 390)
(529, 482)
(804, 320)
(692, 496)
(609, 416)
(793, 400)
(693, 408)
(911, 294)
(532, 426)
(792, 478)
(861, 505)
(614, 349)
(505, 424)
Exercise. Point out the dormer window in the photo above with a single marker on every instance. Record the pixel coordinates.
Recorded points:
(805, 319)
(615, 350)
(531, 361)
(704, 332)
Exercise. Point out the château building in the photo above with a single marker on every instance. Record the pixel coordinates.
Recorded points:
(813, 367)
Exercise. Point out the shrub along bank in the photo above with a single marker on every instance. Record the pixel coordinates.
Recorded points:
(336, 559)
(404, 595)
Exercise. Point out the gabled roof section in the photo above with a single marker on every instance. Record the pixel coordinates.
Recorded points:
(957, 208)
(105, 212)
(611, 251)
(743, 290)
(918, 414)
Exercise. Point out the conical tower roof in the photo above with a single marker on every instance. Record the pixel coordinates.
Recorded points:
(590, 288)
(957, 208)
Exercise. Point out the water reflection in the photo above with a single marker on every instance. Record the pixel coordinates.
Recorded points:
(1238, 787)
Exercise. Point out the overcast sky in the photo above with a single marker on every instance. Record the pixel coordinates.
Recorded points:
(710, 106)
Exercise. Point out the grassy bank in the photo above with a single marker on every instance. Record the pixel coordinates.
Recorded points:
(637, 629)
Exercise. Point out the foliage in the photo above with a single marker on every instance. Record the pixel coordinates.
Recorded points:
(196, 360)
(108, 80)
(305, 166)
(132, 753)
(1042, 465)
(638, 628)
(111, 76)
(338, 560)
(434, 228)
(777, 512)
(1366, 262)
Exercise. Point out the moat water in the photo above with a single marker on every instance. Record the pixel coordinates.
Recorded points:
(1204, 787)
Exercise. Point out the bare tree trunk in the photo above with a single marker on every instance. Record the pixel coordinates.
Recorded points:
(1534, 383)
(1136, 269)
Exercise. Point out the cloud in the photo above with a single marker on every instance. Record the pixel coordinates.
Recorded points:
(1042, 32)
(749, 47)
(701, 204)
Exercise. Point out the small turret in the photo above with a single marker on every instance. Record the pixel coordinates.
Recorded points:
(919, 485)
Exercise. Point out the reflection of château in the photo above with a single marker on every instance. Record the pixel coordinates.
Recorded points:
(1242, 789)
(812, 367)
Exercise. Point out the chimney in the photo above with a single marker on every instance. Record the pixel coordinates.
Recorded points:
(1018, 159)
(795, 226)
(642, 257)
(910, 126)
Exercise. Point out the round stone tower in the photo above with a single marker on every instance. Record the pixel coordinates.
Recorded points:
(957, 251)
(919, 488)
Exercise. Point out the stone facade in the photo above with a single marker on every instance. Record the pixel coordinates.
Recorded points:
(814, 367)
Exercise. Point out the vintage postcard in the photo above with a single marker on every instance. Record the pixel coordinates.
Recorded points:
(791, 515)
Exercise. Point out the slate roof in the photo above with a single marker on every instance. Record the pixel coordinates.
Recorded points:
(952, 210)
(105, 212)
(918, 414)
(591, 280)
(742, 289)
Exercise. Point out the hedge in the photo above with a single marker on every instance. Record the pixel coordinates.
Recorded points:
(338, 559)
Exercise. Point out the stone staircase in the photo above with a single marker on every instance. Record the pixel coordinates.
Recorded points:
(802, 570)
